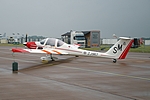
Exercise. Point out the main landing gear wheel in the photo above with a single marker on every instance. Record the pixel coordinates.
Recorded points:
(45, 61)
(114, 60)
(48, 58)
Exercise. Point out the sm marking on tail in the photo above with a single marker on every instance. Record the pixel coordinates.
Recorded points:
(117, 48)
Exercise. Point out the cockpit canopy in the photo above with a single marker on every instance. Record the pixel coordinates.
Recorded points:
(52, 42)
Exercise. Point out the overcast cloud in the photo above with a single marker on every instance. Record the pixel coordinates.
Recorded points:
(52, 18)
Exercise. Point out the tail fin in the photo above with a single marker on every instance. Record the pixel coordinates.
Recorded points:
(121, 48)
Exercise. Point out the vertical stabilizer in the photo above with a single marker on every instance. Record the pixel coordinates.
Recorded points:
(120, 49)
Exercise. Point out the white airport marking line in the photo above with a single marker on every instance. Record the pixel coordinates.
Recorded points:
(14, 59)
(108, 73)
(139, 58)
(140, 61)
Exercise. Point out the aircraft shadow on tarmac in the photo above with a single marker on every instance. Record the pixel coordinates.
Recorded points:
(123, 64)
(48, 64)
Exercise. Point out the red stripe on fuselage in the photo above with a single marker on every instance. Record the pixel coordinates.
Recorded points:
(47, 51)
(123, 55)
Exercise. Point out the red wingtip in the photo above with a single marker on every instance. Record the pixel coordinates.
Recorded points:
(19, 50)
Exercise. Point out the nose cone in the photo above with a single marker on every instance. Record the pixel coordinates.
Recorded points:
(30, 45)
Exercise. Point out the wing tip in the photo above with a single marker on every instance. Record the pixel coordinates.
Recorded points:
(20, 50)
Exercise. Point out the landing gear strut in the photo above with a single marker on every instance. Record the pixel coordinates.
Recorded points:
(52, 57)
(114, 60)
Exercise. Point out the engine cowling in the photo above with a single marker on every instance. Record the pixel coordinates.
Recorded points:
(31, 45)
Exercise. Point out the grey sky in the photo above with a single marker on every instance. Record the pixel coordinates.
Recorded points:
(52, 18)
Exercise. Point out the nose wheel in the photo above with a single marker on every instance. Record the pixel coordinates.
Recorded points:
(114, 60)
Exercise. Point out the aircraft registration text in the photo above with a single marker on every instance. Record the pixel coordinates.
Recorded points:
(90, 53)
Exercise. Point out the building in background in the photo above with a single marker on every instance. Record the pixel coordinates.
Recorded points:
(92, 38)
(147, 42)
(109, 41)
(3, 38)
(75, 38)
(83, 38)
(17, 38)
